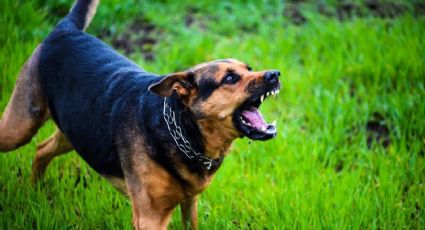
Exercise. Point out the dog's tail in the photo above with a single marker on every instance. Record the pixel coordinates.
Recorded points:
(80, 15)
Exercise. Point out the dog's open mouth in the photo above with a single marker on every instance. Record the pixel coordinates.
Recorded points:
(249, 120)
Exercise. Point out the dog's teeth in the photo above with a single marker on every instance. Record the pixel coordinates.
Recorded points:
(245, 123)
(262, 98)
(268, 93)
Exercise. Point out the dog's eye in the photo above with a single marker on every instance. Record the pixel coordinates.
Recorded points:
(231, 79)
(249, 68)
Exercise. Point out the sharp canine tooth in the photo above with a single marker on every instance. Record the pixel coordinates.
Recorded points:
(262, 98)
(268, 93)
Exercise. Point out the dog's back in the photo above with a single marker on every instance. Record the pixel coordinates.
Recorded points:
(84, 80)
(86, 87)
(27, 109)
(96, 83)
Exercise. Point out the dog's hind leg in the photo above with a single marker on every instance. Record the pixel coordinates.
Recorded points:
(26, 110)
(54, 146)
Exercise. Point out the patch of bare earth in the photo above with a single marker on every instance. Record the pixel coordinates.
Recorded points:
(140, 36)
(346, 9)
(292, 11)
(378, 131)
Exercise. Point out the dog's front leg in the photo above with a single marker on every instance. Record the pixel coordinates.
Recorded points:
(189, 209)
(154, 193)
(145, 215)
(151, 205)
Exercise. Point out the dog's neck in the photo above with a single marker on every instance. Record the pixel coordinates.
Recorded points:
(213, 136)
(188, 136)
(217, 136)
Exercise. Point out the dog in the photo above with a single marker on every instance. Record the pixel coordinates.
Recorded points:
(159, 139)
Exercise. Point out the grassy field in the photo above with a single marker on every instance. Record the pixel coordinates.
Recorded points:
(350, 149)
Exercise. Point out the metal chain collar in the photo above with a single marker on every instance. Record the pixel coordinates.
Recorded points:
(182, 143)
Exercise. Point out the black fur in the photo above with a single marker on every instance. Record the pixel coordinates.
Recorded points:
(206, 88)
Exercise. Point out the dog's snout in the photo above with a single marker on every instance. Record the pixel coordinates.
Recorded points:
(271, 76)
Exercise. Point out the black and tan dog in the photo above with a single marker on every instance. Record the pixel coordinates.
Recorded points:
(158, 139)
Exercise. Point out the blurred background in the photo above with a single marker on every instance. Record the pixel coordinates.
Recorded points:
(351, 129)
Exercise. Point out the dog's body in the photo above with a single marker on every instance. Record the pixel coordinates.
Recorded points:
(158, 139)
(78, 95)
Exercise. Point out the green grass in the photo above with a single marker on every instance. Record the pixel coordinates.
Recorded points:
(318, 173)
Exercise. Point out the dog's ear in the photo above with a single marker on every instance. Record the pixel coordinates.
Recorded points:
(181, 82)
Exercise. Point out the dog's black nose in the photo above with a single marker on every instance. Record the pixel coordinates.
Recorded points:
(271, 76)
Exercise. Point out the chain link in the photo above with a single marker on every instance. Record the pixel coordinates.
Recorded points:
(182, 143)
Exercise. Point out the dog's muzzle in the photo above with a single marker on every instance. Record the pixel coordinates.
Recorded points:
(248, 119)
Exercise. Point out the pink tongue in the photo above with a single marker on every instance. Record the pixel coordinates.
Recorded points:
(254, 117)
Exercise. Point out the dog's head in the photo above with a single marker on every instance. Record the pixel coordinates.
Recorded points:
(227, 91)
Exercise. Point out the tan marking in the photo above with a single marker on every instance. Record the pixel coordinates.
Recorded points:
(217, 135)
(195, 183)
(26, 110)
(54, 146)
(90, 13)
(172, 82)
(154, 193)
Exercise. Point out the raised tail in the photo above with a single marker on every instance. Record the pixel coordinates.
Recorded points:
(80, 15)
